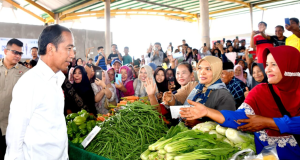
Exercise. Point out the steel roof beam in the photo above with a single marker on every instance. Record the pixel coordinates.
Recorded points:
(158, 4)
(226, 10)
(242, 3)
(188, 19)
(86, 4)
(267, 2)
(25, 10)
(51, 14)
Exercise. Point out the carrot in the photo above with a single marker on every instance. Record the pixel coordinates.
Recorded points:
(131, 98)
(119, 105)
(101, 119)
(131, 101)
(123, 102)
(166, 121)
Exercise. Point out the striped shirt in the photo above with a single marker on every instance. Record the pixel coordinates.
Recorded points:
(101, 62)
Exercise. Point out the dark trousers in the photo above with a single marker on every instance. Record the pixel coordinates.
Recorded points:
(2, 146)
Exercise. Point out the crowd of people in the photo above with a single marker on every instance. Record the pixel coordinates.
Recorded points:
(254, 89)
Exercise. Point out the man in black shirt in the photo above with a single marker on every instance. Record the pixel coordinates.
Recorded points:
(115, 54)
(279, 39)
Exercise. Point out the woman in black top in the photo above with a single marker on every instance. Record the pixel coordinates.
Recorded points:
(84, 90)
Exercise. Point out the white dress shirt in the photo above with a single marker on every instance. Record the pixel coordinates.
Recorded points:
(36, 125)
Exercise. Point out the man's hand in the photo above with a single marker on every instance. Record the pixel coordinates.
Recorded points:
(254, 33)
(288, 27)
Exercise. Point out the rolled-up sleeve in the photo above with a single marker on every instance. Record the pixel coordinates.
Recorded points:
(288, 124)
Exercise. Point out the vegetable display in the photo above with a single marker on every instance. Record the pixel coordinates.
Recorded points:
(231, 136)
(79, 125)
(129, 133)
(202, 142)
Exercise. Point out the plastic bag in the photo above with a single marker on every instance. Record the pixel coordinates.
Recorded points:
(268, 153)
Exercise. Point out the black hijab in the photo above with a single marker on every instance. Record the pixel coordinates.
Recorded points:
(163, 86)
(255, 83)
(85, 91)
(175, 81)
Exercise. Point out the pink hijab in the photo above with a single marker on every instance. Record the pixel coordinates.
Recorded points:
(241, 76)
(129, 74)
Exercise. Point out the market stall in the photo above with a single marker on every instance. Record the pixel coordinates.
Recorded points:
(135, 130)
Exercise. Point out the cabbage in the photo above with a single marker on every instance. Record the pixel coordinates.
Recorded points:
(218, 135)
(198, 126)
(228, 141)
(221, 130)
(205, 127)
(236, 136)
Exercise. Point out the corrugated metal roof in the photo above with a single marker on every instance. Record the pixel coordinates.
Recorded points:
(178, 9)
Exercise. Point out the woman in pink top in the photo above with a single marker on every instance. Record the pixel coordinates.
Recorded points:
(125, 88)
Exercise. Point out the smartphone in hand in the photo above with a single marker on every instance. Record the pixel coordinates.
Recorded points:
(118, 77)
(287, 21)
(98, 74)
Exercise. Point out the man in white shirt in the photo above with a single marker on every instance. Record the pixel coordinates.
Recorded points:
(36, 125)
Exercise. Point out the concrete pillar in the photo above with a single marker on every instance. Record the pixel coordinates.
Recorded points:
(56, 16)
(251, 16)
(107, 48)
(204, 21)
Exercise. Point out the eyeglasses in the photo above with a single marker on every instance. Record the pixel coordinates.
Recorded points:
(16, 52)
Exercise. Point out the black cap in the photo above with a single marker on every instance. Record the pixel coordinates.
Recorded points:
(228, 65)
(229, 41)
(242, 40)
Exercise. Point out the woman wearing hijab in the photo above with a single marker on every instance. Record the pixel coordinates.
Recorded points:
(238, 73)
(210, 91)
(271, 111)
(161, 82)
(138, 84)
(72, 99)
(170, 75)
(84, 90)
(111, 75)
(258, 75)
(104, 91)
(125, 88)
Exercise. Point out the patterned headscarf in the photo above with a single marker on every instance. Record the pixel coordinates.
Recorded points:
(129, 74)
